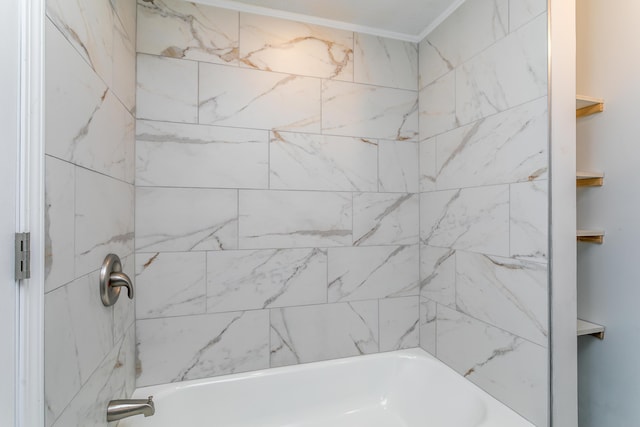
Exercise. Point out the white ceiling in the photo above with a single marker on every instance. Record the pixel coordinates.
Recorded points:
(402, 19)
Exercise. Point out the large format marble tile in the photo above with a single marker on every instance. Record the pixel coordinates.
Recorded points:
(529, 220)
(320, 332)
(373, 272)
(438, 275)
(367, 111)
(290, 219)
(428, 168)
(255, 99)
(59, 220)
(511, 72)
(113, 379)
(317, 162)
(124, 63)
(274, 44)
(495, 360)
(185, 219)
(190, 347)
(78, 335)
(126, 12)
(399, 323)
(385, 62)
(88, 26)
(398, 166)
(85, 123)
(244, 280)
(504, 148)
(504, 292)
(170, 284)
(523, 11)
(385, 219)
(185, 155)
(124, 312)
(428, 318)
(104, 219)
(438, 106)
(475, 219)
(167, 89)
(187, 30)
(473, 27)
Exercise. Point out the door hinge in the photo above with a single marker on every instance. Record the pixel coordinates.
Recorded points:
(23, 256)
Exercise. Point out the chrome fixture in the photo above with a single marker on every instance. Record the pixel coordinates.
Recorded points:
(123, 408)
(112, 279)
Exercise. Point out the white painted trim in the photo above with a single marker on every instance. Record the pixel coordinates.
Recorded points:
(440, 19)
(31, 214)
(340, 25)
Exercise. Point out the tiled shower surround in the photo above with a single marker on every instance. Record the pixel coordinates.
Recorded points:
(89, 145)
(277, 199)
(305, 193)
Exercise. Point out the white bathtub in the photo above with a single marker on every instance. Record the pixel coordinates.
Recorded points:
(407, 388)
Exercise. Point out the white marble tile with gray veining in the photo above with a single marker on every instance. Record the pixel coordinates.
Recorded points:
(256, 99)
(88, 26)
(475, 219)
(428, 311)
(292, 47)
(385, 219)
(59, 220)
(428, 168)
(318, 162)
(473, 27)
(85, 123)
(370, 272)
(504, 292)
(245, 280)
(187, 30)
(438, 275)
(497, 361)
(385, 62)
(185, 219)
(170, 284)
(504, 148)
(167, 89)
(509, 73)
(124, 64)
(523, 11)
(438, 106)
(78, 335)
(104, 220)
(113, 379)
(368, 111)
(398, 166)
(529, 220)
(190, 347)
(186, 155)
(126, 12)
(294, 219)
(320, 332)
(399, 323)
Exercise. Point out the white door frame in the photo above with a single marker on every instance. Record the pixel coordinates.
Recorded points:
(31, 209)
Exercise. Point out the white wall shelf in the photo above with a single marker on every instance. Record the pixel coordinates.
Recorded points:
(589, 179)
(586, 105)
(588, 328)
(590, 236)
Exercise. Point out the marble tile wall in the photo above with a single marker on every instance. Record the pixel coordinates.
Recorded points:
(90, 171)
(483, 183)
(276, 177)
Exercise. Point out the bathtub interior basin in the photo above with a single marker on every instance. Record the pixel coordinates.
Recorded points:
(407, 388)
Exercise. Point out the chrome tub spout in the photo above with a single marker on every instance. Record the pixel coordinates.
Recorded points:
(123, 408)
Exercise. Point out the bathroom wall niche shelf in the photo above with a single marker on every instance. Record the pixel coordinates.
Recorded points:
(589, 179)
(588, 328)
(586, 105)
(590, 236)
